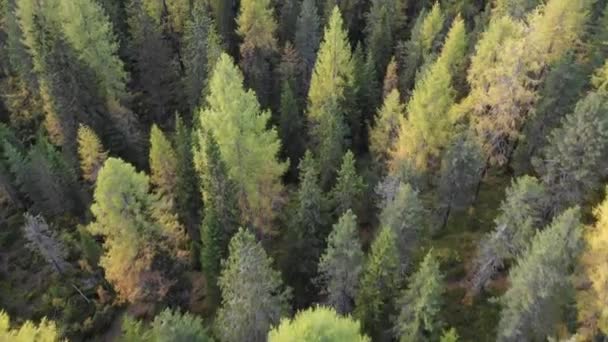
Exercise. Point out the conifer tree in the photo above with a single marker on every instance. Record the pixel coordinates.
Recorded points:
(341, 264)
(316, 324)
(517, 9)
(288, 16)
(534, 302)
(44, 241)
(352, 11)
(91, 152)
(247, 146)
(384, 21)
(163, 165)
(391, 78)
(224, 15)
(404, 214)
(348, 191)
(136, 235)
(379, 284)
(307, 37)
(45, 331)
(168, 325)
(386, 128)
(249, 308)
(421, 302)
(332, 77)
(572, 163)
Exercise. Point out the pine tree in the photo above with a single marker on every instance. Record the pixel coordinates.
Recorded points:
(257, 28)
(332, 77)
(307, 37)
(572, 163)
(341, 264)
(404, 215)
(163, 165)
(317, 324)
(421, 302)
(379, 284)
(248, 148)
(135, 235)
(386, 128)
(249, 308)
(520, 215)
(45, 331)
(460, 173)
(349, 189)
(534, 302)
(91, 152)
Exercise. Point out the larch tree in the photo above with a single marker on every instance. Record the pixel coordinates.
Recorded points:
(318, 324)
(45, 331)
(126, 215)
(332, 78)
(341, 264)
(384, 133)
(163, 165)
(380, 282)
(405, 215)
(248, 147)
(421, 302)
(573, 161)
(253, 295)
(257, 28)
(168, 325)
(391, 78)
(308, 37)
(521, 213)
(349, 189)
(91, 152)
(533, 305)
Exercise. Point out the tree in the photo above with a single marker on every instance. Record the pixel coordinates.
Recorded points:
(460, 173)
(520, 215)
(332, 78)
(44, 241)
(533, 304)
(384, 21)
(391, 78)
(288, 16)
(572, 162)
(136, 235)
(517, 9)
(91, 152)
(450, 335)
(46, 331)
(379, 284)
(384, 133)
(249, 308)
(307, 37)
(349, 188)
(163, 165)
(421, 302)
(257, 27)
(341, 264)
(352, 11)
(319, 323)
(201, 48)
(404, 214)
(247, 146)
(167, 326)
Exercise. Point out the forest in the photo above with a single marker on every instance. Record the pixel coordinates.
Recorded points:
(303, 170)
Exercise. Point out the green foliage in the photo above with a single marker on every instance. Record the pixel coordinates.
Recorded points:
(247, 146)
(167, 326)
(163, 164)
(253, 296)
(307, 35)
(517, 9)
(46, 331)
(291, 122)
(91, 152)
(384, 21)
(379, 285)
(317, 324)
(386, 128)
(450, 335)
(256, 24)
(341, 264)
(349, 189)
(534, 302)
(421, 303)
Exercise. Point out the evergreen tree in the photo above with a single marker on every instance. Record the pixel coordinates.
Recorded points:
(332, 78)
(572, 163)
(379, 284)
(315, 324)
(348, 191)
(534, 302)
(136, 235)
(421, 302)
(386, 128)
(460, 173)
(384, 21)
(404, 214)
(307, 37)
(352, 12)
(91, 152)
(341, 264)
(247, 146)
(224, 15)
(163, 165)
(288, 16)
(253, 297)
(167, 326)
(45, 331)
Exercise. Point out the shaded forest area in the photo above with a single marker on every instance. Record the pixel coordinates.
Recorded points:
(303, 170)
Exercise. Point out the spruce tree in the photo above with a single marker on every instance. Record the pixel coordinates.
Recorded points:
(349, 189)
(421, 303)
(307, 37)
(533, 304)
(253, 296)
(384, 21)
(341, 264)
(249, 149)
